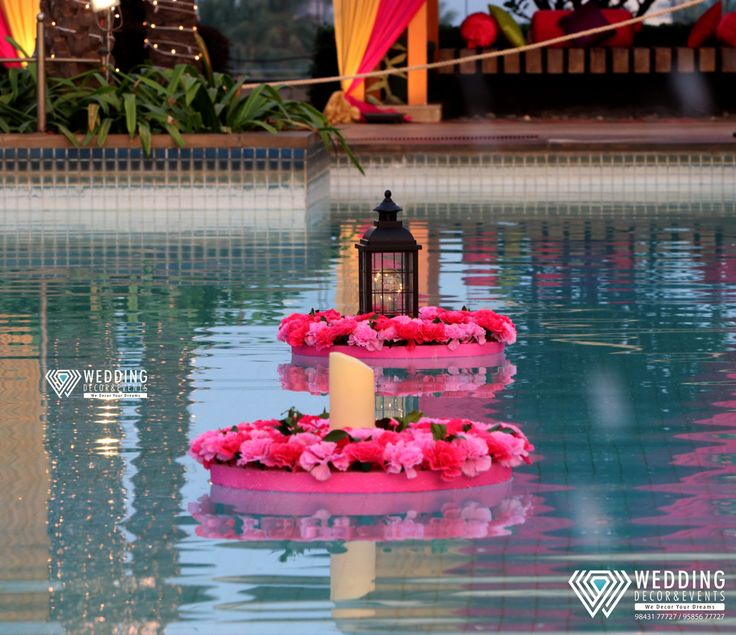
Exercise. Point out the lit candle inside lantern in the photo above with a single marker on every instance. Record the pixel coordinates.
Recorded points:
(352, 393)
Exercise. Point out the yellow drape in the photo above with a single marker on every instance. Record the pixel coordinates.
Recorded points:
(353, 26)
(21, 17)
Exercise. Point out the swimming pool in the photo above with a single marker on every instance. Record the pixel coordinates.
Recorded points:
(623, 377)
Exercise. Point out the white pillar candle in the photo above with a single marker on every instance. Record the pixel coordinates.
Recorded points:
(352, 393)
(353, 572)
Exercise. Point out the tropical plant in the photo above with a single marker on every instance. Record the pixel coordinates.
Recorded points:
(176, 101)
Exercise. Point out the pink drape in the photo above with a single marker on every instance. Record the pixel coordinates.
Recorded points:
(6, 48)
(392, 18)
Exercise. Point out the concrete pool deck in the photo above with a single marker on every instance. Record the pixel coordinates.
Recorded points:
(635, 135)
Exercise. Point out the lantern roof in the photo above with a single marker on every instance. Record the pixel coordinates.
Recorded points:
(388, 233)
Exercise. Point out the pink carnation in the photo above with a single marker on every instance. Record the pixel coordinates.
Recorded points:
(316, 459)
(364, 336)
(254, 450)
(476, 455)
(509, 450)
(365, 452)
(445, 458)
(402, 456)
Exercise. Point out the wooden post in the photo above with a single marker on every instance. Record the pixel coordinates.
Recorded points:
(433, 26)
(417, 54)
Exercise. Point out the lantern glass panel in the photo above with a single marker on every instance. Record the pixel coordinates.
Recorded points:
(391, 283)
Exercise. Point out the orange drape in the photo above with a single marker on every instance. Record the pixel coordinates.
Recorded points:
(21, 18)
(353, 26)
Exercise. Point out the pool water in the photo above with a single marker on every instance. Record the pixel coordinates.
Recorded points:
(624, 377)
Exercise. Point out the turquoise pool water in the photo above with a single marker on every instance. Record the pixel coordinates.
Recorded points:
(624, 377)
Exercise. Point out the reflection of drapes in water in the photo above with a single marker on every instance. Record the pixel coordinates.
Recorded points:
(24, 540)
(162, 437)
(704, 512)
(102, 575)
(87, 502)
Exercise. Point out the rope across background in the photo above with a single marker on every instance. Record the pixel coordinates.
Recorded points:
(482, 56)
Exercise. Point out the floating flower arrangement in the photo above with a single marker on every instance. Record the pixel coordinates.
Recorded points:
(321, 331)
(299, 443)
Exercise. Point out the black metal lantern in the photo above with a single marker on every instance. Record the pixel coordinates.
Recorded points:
(388, 259)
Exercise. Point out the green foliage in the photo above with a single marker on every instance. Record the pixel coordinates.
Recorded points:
(336, 435)
(89, 107)
(439, 431)
(290, 424)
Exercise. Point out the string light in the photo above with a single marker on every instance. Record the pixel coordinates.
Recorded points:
(101, 20)
(182, 47)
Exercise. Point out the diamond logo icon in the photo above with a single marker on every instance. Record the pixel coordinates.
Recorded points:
(63, 381)
(599, 589)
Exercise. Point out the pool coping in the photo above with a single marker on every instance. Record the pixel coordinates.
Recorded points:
(285, 139)
(534, 135)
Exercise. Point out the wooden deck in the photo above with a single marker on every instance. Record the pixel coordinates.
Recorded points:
(597, 61)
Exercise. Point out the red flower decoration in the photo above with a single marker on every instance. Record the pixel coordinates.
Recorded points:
(479, 30)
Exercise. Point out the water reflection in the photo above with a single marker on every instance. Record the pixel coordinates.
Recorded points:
(622, 376)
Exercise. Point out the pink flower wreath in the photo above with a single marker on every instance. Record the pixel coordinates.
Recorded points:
(434, 326)
(304, 443)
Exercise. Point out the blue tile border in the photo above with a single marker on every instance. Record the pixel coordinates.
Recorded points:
(174, 164)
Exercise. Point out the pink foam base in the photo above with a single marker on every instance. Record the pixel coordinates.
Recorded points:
(348, 482)
(429, 352)
(299, 504)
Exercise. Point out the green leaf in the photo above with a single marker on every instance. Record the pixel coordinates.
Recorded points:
(144, 131)
(439, 431)
(336, 435)
(93, 116)
(175, 135)
(130, 113)
(174, 79)
(103, 132)
(67, 133)
(413, 416)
